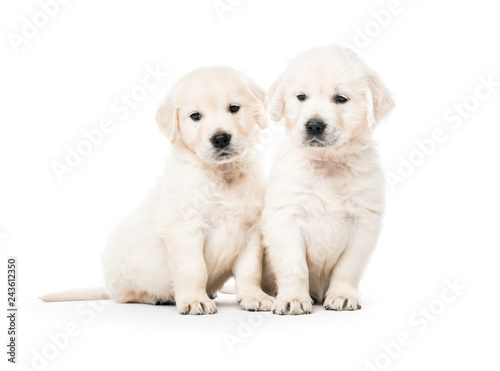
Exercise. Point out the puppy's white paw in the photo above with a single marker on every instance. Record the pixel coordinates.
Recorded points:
(346, 301)
(256, 301)
(196, 306)
(292, 306)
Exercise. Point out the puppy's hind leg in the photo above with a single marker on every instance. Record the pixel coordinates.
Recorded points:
(122, 290)
(124, 293)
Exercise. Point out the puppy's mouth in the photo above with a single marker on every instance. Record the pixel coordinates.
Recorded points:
(314, 142)
(224, 156)
(321, 143)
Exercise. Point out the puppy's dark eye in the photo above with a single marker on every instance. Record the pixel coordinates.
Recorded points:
(341, 99)
(301, 97)
(196, 116)
(233, 108)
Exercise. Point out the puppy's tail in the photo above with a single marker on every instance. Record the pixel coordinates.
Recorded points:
(77, 295)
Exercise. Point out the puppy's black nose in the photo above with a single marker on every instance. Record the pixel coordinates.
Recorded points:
(315, 128)
(221, 140)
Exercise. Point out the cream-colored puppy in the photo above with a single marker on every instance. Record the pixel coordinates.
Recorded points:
(200, 224)
(324, 203)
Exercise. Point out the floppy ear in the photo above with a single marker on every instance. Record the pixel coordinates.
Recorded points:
(261, 110)
(276, 99)
(167, 119)
(379, 101)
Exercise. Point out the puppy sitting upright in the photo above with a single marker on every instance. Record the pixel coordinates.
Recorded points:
(200, 224)
(324, 204)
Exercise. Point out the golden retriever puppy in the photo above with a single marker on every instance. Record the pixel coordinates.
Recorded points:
(324, 203)
(200, 224)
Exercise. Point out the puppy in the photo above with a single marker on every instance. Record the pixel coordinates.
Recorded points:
(200, 224)
(324, 204)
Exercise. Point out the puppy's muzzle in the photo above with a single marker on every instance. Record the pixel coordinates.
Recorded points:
(315, 128)
(220, 140)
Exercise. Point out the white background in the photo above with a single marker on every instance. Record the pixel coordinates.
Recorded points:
(441, 224)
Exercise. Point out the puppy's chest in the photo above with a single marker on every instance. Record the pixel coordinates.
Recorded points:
(333, 201)
(330, 214)
(230, 210)
(226, 224)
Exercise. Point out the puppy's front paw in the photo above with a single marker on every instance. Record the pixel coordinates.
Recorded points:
(256, 301)
(345, 301)
(196, 306)
(292, 306)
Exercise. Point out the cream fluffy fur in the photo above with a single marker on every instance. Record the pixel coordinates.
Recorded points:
(324, 203)
(200, 224)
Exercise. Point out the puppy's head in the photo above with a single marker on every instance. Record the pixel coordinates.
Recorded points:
(214, 112)
(329, 98)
